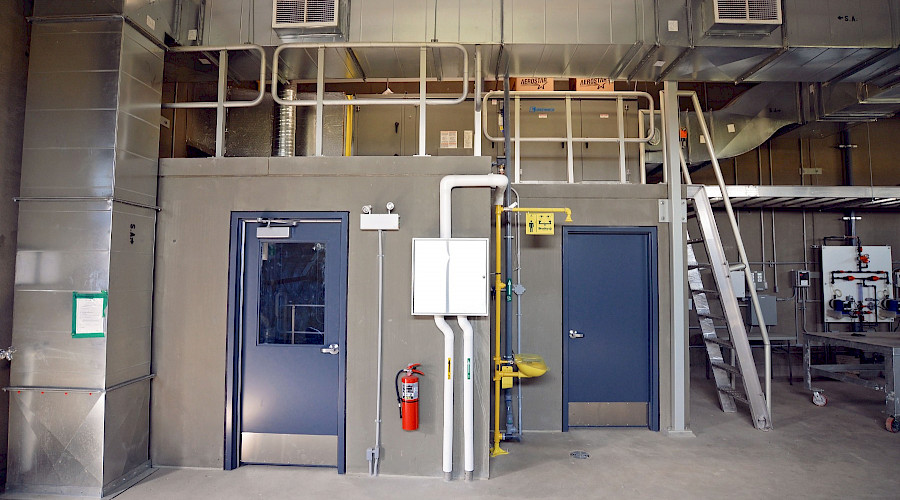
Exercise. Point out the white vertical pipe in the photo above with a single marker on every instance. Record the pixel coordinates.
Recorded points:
(468, 395)
(446, 224)
(447, 461)
(642, 158)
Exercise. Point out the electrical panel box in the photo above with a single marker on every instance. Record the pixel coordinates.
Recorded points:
(856, 284)
(768, 304)
(450, 276)
(799, 278)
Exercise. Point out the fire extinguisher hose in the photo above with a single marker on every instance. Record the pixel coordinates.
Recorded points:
(397, 388)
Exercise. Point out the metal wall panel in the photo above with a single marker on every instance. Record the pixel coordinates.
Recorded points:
(525, 21)
(224, 24)
(561, 15)
(58, 445)
(477, 20)
(126, 434)
(839, 23)
(75, 46)
(410, 21)
(77, 7)
(67, 172)
(70, 129)
(47, 355)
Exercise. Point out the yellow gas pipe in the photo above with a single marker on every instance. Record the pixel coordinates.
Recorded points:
(499, 287)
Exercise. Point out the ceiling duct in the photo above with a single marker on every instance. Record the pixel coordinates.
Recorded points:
(741, 17)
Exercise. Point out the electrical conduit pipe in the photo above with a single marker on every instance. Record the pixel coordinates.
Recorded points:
(448, 183)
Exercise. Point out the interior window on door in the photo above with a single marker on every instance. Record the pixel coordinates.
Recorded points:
(292, 293)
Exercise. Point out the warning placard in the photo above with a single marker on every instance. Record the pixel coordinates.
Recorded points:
(539, 223)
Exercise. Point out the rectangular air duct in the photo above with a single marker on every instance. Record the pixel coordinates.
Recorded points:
(741, 17)
(80, 403)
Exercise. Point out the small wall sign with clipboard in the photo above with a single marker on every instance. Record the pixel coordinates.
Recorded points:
(89, 314)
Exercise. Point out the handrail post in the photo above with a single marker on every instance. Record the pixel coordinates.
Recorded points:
(620, 124)
(754, 298)
(320, 98)
(220, 103)
(476, 130)
(517, 144)
(423, 94)
(570, 155)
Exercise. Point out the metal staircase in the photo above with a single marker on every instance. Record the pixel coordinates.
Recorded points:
(734, 382)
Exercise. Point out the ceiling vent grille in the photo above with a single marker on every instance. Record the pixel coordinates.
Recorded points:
(747, 11)
(305, 13)
(754, 18)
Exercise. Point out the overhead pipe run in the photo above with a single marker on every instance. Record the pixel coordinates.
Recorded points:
(448, 183)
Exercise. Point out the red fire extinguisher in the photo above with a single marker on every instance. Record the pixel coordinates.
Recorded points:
(408, 396)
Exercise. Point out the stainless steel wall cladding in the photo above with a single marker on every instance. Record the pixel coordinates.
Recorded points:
(157, 18)
(79, 418)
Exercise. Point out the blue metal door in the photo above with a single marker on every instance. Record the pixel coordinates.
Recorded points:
(610, 327)
(293, 330)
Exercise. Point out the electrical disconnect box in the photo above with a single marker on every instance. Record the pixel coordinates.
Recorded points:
(800, 278)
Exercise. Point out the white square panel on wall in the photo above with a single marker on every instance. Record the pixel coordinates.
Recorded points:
(450, 276)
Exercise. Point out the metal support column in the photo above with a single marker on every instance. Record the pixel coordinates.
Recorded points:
(678, 320)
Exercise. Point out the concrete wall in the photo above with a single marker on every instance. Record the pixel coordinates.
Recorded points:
(592, 205)
(190, 326)
(13, 75)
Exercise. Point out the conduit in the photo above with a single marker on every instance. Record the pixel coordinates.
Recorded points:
(448, 183)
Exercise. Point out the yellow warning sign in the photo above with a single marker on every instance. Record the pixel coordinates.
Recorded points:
(539, 223)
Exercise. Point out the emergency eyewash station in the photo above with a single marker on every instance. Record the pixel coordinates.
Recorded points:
(450, 278)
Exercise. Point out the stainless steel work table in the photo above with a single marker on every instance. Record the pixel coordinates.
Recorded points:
(887, 344)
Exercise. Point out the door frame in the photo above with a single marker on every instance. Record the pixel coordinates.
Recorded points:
(234, 345)
(653, 317)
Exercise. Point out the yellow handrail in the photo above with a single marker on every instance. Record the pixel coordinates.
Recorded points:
(568, 211)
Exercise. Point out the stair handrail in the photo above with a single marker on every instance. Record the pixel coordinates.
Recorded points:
(739, 241)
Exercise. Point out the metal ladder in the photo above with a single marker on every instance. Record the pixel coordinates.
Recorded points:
(725, 373)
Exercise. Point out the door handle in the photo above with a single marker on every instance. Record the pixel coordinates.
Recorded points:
(331, 349)
(573, 334)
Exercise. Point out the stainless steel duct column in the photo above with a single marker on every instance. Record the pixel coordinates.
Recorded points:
(79, 405)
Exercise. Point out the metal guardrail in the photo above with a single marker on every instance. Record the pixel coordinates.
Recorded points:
(619, 96)
(319, 102)
(220, 104)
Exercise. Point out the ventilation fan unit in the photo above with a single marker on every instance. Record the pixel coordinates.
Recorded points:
(742, 17)
(302, 14)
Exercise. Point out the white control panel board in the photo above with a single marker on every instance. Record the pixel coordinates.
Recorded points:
(450, 276)
(856, 283)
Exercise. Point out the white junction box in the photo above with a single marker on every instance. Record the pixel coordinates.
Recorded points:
(856, 282)
(450, 276)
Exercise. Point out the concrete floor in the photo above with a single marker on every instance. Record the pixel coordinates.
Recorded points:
(838, 451)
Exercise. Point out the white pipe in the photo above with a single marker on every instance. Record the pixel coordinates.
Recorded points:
(468, 395)
(448, 183)
(448, 397)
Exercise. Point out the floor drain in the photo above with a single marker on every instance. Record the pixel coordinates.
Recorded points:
(581, 455)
